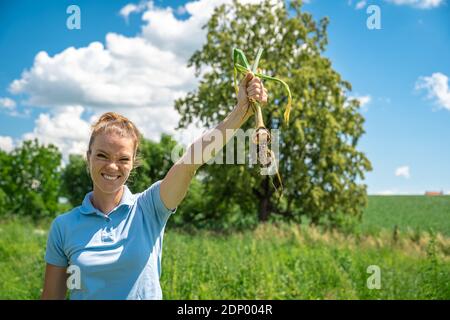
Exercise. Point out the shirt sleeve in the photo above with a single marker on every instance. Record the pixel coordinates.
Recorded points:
(151, 201)
(55, 253)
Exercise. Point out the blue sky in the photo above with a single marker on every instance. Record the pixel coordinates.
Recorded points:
(400, 71)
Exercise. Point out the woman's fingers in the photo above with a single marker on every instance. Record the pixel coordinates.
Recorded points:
(259, 97)
(255, 85)
(253, 92)
(256, 90)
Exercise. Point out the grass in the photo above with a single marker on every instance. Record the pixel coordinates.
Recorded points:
(277, 262)
(22, 248)
(292, 262)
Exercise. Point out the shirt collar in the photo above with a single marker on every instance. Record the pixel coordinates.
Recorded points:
(126, 200)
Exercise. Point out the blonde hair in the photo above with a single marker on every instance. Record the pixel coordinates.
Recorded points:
(114, 122)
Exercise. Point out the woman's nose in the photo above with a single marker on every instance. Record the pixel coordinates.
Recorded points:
(113, 165)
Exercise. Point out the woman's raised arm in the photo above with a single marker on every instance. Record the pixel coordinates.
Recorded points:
(176, 183)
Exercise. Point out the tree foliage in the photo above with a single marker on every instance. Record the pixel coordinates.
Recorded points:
(30, 180)
(319, 161)
(76, 181)
(154, 161)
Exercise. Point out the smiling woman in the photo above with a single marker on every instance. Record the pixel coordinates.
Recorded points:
(114, 239)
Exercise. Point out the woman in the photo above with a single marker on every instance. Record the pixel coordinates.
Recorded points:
(113, 241)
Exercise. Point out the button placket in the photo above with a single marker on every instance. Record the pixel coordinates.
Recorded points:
(107, 233)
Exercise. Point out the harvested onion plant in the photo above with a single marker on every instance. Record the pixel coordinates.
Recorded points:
(265, 156)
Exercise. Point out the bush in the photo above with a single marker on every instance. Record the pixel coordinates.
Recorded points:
(30, 180)
(3, 201)
(75, 180)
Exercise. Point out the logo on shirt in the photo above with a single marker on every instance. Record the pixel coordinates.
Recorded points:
(74, 280)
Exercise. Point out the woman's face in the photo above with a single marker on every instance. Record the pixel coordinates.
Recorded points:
(110, 161)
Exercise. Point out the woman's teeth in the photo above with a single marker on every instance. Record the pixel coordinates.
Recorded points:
(108, 177)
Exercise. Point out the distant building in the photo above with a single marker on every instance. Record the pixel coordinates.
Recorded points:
(434, 193)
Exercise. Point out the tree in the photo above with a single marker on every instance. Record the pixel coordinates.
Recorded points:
(154, 161)
(319, 162)
(76, 181)
(5, 170)
(31, 180)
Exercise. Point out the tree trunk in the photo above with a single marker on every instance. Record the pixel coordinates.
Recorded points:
(264, 202)
(264, 212)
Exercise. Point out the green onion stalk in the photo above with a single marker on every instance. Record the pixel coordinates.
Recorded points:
(261, 138)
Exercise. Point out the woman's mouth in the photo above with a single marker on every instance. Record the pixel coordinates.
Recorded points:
(110, 177)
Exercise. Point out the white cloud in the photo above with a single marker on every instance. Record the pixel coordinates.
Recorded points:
(9, 107)
(402, 172)
(129, 76)
(134, 8)
(139, 77)
(437, 87)
(420, 4)
(6, 143)
(185, 36)
(128, 9)
(126, 73)
(7, 103)
(64, 128)
(360, 5)
(167, 32)
(154, 121)
(364, 100)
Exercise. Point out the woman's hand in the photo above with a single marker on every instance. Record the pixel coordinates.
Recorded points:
(251, 88)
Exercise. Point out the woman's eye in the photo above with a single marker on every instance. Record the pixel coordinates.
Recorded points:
(101, 156)
(125, 160)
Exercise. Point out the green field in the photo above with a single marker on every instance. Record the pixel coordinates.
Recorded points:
(408, 213)
(278, 262)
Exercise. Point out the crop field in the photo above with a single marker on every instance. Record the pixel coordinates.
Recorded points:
(408, 213)
(278, 262)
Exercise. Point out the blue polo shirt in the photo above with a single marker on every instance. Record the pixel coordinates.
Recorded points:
(118, 255)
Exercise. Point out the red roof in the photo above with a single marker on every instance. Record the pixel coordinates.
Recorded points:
(433, 193)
